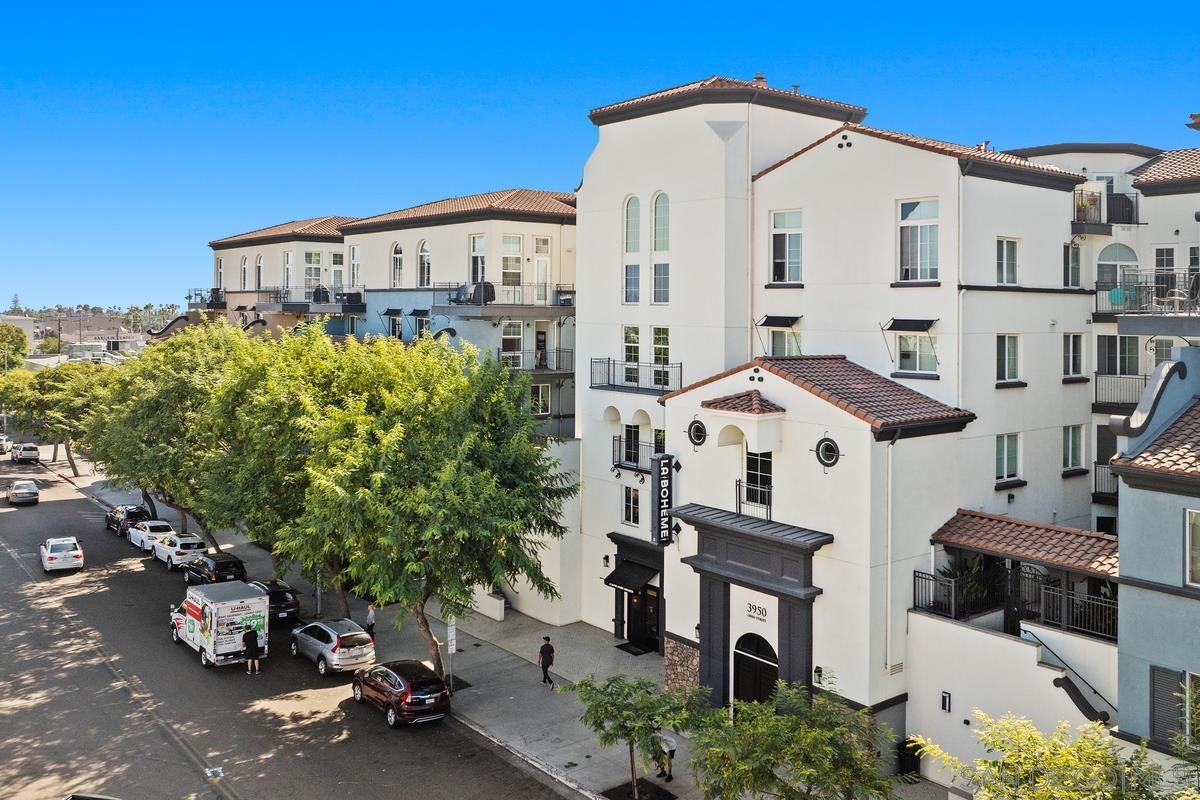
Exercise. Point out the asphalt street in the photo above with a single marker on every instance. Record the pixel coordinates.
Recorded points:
(94, 697)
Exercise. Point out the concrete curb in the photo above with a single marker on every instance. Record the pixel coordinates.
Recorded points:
(537, 764)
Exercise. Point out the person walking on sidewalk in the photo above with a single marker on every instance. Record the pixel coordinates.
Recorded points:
(370, 626)
(545, 660)
(250, 646)
(665, 760)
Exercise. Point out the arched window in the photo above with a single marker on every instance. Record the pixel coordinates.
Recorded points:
(244, 263)
(633, 230)
(258, 273)
(1114, 265)
(424, 261)
(662, 223)
(397, 265)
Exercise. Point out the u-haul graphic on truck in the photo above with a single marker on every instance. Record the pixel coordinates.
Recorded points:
(212, 620)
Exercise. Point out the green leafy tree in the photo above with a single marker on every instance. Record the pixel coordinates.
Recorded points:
(15, 306)
(1023, 763)
(16, 394)
(634, 713)
(14, 342)
(1186, 742)
(797, 746)
(49, 345)
(66, 397)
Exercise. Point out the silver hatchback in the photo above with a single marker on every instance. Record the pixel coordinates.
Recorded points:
(334, 644)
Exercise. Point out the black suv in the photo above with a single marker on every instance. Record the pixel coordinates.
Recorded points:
(119, 518)
(214, 568)
(282, 599)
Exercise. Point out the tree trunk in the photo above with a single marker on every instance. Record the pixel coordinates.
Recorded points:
(71, 458)
(431, 643)
(333, 571)
(54, 454)
(182, 517)
(633, 771)
(148, 501)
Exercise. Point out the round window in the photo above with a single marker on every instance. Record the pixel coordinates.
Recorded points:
(696, 432)
(828, 452)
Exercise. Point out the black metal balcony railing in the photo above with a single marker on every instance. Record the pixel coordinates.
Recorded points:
(555, 358)
(486, 293)
(213, 297)
(1160, 291)
(632, 454)
(1123, 390)
(753, 500)
(1088, 207)
(1088, 614)
(959, 598)
(321, 295)
(636, 376)
(1113, 208)
(1103, 479)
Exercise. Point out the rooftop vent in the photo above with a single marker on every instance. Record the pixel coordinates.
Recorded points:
(760, 80)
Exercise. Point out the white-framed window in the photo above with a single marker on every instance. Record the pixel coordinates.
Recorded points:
(631, 510)
(220, 273)
(633, 225)
(1114, 263)
(1117, 355)
(245, 269)
(1192, 568)
(916, 353)
(540, 395)
(396, 327)
(397, 266)
(258, 272)
(919, 240)
(512, 336)
(1194, 257)
(631, 337)
(1008, 456)
(424, 264)
(351, 325)
(1072, 355)
(541, 245)
(1006, 261)
(422, 326)
(1072, 453)
(287, 268)
(662, 223)
(1007, 346)
(661, 342)
(355, 265)
(759, 469)
(1108, 182)
(662, 283)
(1162, 349)
(312, 258)
(784, 342)
(786, 246)
(337, 259)
(1071, 260)
(633, 284)
(1164, 259)
(312, 276)
(478, 258)
(510, 259)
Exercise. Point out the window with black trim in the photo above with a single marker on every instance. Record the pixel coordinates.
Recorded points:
(1006, 261)
(1071, 277)
(631, 511)
(478, 258)
(1072, 355)
(1006, 358)
(540, 395)
(786, 246)
(1072, 456)
(633, 284)
(758, 477)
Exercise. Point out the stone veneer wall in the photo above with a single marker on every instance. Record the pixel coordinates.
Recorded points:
(681, 664)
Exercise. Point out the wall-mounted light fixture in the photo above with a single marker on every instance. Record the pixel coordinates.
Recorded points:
(946, 702)
(697, 631)
(606, 562)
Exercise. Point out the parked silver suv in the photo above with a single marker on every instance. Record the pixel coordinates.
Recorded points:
(334, 644)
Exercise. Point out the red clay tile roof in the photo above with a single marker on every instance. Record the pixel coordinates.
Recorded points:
(959, 151)
(1049, 545)
(535, 202)
(1175, 451)
(320, 228)
(1168, 167)
(881, 402)
(717, 83)
(751, 402)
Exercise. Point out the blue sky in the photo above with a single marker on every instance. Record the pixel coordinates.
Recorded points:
(129, 138)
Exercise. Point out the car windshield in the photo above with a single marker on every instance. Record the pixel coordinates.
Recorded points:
(282, 596)
(24, 486)
(63, 547)
(159, 528)
(354, 639)
(191, 545)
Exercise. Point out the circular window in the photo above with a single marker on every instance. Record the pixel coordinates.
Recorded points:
(696, 432)
(828, 452)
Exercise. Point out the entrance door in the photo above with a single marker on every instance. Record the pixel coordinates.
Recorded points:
(755, 669)
(539, 339)
(541, 269)
(337, 279)
(642, 616)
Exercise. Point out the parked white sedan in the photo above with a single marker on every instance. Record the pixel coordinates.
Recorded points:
(178, 548)
(145, 534)
(62, 552)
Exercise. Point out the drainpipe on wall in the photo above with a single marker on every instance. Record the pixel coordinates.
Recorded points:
(958, 359)
(749, 235)
(887, 604)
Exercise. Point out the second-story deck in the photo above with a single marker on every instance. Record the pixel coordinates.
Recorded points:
(487, 299)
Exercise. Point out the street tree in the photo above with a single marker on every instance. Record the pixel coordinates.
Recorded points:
(64, 398)
(15, 345)
(796, 746)
(1023, 763)
(48, 345)
(635, 712)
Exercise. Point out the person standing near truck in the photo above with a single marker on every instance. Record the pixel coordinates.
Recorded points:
(250, 645)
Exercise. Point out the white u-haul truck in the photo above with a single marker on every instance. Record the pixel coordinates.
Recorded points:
(213, 618)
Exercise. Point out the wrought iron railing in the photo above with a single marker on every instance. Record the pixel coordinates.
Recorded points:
(636, 376)
(1119, 389)
(632, 454)
(556, 358)
(1103, 479)
(1093, 615)
(753, 499)
(212, 297)
(961, 597)
(1161, 291)
(1121, 209)
(340, 294)
(487, 293)
(1088, 207)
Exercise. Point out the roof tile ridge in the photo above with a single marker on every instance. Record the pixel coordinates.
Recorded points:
(1035, 524)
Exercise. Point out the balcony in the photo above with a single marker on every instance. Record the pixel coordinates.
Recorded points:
(341, 299)
(631, 454)
(1096, 212)
(206, 298)
(753, 500)
(488, 299)
(1151, 292)
(959, 598)
(629, 376)
(1104, 485)
(1086, 614)
(551, 359)
(1117, 394)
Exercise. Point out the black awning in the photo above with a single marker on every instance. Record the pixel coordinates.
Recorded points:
(419, 312)
(630, 576)
(777, 322)
(921, 325)
(393, 312)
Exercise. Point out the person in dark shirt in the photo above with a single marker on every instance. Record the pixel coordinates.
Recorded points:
(545, 659)
(250, 646)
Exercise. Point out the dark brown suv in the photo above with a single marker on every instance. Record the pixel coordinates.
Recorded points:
(214, 568)
(408, 691)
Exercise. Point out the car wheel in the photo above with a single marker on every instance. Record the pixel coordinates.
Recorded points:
(204, 662)
(174, 634)
(393, 719)
(294, 648)
(187, 577)
(170, 564)
(322, 667)
(357, 691)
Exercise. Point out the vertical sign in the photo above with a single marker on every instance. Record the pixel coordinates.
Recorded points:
(663, 473)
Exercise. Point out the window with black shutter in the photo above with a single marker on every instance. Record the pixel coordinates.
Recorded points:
(779, 257)
(1166, 707)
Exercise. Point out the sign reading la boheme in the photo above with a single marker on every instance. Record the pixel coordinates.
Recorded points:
(662, 468)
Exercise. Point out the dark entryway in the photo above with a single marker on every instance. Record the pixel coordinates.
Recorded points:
(642, 619)
(755, 669)
(638, 605)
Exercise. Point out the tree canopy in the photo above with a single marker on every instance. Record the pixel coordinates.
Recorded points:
(15, 343)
